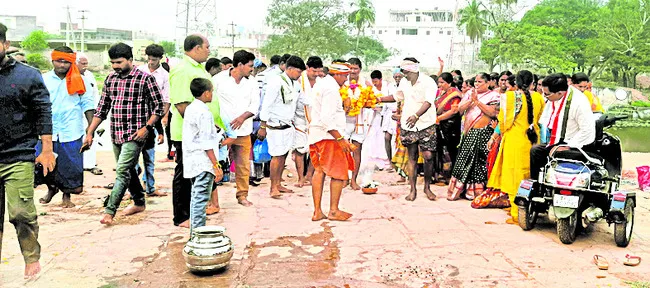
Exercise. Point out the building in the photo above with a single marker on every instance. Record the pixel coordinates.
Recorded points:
(19, 26)
(425, 35)
(244, 39)
(95, 34)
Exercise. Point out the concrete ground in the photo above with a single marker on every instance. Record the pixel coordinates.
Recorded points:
(389, 242)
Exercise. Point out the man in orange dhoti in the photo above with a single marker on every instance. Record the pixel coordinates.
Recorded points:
(328, 149)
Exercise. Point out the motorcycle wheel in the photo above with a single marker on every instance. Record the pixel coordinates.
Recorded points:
(623, 231)
(566, 228)
(527, 217)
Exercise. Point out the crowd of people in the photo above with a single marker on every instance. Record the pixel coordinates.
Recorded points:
(331, 120)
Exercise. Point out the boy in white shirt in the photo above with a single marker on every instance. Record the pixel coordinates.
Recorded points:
(200, 137)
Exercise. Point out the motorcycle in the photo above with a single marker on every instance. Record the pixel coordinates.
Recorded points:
(579, 187)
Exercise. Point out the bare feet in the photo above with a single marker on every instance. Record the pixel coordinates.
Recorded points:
(107, 219)
(283, 189)
(275, 194)
(339, 215)
(318, 215)
(244, 202)
(48, 196)
(67, 203)
(185, 224)
(411, 196)
(32, 269)
(127, 196)
(354, 185)
(430, 195)
(302, 183)
(133, 209)
(157, 193)
(212, 210)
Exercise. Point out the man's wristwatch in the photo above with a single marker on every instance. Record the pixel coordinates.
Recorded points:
(149, 127)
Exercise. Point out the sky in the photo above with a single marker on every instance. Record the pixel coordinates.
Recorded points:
(158, 16)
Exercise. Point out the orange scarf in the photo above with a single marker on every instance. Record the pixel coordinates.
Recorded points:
(73, 80)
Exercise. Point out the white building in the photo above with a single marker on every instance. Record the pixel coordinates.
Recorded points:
(425, 35)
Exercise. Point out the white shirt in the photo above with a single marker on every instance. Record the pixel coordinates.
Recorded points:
(199, 135)
(386, 89)
(414, 96)
(327, 110)
(304, 101)
(581, 126)
(90, 77)
(279, 103)
(236, 99)
(162, 79)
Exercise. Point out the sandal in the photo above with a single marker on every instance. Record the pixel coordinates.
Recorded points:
(632, 260)
(110, 186)
(601, 262)
(97, 171)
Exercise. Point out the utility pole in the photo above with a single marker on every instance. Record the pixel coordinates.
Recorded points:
(67, 26)
(83, 28)
(232, 25)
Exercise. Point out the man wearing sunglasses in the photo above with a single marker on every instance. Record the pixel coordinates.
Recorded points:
(570, 123)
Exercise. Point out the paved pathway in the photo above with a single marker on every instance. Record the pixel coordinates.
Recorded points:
(389, 242)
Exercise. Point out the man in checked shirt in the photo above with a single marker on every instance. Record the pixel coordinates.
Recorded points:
(135, 103)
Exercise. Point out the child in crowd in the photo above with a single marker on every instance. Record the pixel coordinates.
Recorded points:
(200, 137)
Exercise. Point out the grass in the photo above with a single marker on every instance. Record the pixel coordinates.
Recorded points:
(638, 284)
(634, 139)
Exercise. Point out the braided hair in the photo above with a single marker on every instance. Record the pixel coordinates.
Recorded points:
(523, 80)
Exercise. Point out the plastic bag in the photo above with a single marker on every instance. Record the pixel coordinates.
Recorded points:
(643, 175)
(261, 151)
(491, 199)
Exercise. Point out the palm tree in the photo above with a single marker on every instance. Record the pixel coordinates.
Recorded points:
(362, 17)
(474, 19)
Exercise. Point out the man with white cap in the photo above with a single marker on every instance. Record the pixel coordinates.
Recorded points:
(418, 121)
(329, 151)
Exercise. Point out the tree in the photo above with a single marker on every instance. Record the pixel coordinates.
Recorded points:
(35, 41)
(361, 18)
(474, 19)
(170, 48)
(371, 50)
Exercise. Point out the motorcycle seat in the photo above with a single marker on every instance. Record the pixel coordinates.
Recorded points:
(574, 154)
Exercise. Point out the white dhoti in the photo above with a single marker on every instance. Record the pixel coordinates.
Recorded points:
(300, 140)
(280, 141)
(357, 127)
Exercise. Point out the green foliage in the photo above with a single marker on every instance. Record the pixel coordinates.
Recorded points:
(170, 48)
(606, 39)
(361, 18)
(372, 51)
(35, 41)
(38, 61)
(640, 103)
(474, 19)
(316, 27)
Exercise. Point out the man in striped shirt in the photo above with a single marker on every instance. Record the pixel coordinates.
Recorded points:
(135, 103)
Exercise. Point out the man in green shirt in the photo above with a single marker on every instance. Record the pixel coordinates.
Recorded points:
(197, 51)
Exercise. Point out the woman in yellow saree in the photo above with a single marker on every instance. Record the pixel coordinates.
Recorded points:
(518, 117)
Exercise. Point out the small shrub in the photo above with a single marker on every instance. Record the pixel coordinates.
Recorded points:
(38, 61)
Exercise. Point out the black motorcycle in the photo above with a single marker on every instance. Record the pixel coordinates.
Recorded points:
(578, 187)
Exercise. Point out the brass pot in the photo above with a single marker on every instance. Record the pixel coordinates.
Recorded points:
(208, 249)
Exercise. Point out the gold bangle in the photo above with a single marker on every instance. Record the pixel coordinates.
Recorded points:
(340, 138)
(416, 116)
(262, 127)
